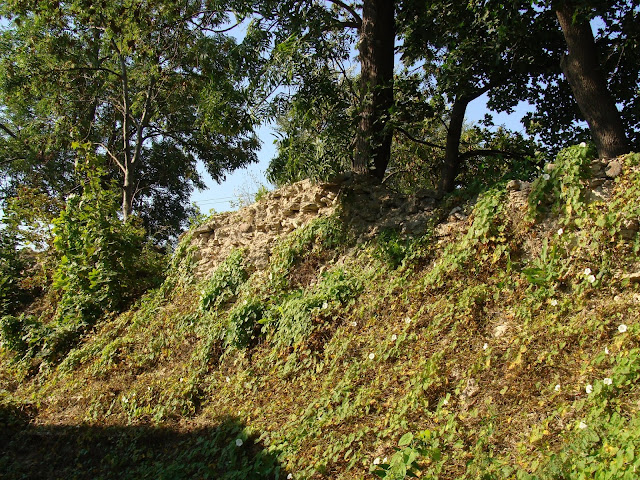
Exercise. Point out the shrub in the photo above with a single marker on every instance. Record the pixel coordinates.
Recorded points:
(244, 328)
(13, 263)
(562, 187)
(104, 264)
(392, 249)
(224, 284)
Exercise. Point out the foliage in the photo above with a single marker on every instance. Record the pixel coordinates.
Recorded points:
(224, 284)
(151, 89)
(295, 316)
(555, 118)
(391, 247)
(404, 463)
(561, 187)
(244, 327)
(104, 265)
(320, 233)
(15, 292)
(316, 132)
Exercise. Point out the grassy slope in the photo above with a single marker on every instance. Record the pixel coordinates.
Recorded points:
(481, 346)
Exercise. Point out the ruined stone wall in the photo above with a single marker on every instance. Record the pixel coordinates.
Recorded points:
(366, 209)
(258, 226)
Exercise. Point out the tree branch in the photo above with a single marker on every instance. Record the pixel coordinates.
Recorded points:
(417, 140)
(489, 152)
(7, 130)
(341, 25)
(357, 19)
(90, 69)
(111, 155)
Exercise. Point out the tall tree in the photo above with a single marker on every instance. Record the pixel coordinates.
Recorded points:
(153, 87)
(582, 69)
(376, 48)
(467, 50)
(612, 28)
(316, 28)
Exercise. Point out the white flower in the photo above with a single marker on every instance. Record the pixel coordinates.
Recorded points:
(376, 461)
(372, 356)
(606, 350)
(485, 346)
(546, 176)
(290, 476)
(385, 459)
(354, 324)
(582, 425)
(591, 279)
(583, 145)
(588, 388)
(394, 337)
(554, 302)
(407, 320)
(587, 271)
(560, 231)
(622, 328)
(125, 399)
(445, 402)
(557, 389)
(239, 442)
(325, 305)
(228, 379)
(607, 381)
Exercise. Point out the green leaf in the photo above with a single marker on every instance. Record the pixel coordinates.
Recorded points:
(406, 439)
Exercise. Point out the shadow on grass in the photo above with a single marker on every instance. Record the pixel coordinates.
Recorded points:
(131, 452)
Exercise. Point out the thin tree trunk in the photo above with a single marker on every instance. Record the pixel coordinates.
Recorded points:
(582, 70)
(451, 164)
(377, 42)
(127, 186)
(127, 193)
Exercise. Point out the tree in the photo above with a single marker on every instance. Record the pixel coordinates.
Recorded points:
(153, 88)
(318, 29)
(467, 50)
(582, 69)
(376, 47)
(617, 49)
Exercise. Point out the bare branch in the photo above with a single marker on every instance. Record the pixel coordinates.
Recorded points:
(489, 152)
(111, 155)
(357, 19)
(417, 140)
(7, 130)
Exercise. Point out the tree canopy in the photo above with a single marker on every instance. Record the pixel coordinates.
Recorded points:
(153, 88)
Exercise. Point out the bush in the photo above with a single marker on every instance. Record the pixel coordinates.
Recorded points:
(244, 326)
(104, 265)
(225, 282)
(13, 263)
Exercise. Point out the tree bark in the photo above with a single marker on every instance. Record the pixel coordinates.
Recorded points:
(377, 42)
(582, 70)
(451, 163)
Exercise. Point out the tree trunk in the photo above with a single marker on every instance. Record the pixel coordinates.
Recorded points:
(582, 70)
(127, 193)
(451, 164)
(377, 42)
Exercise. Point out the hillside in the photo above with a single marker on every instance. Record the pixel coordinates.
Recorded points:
(359, 333)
